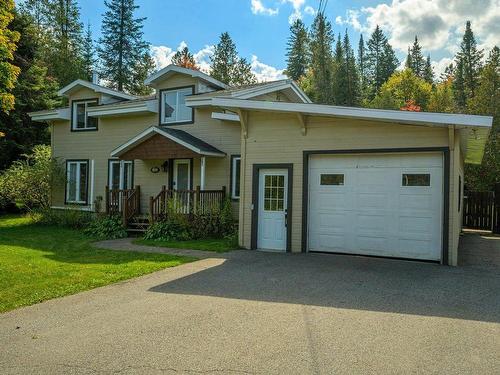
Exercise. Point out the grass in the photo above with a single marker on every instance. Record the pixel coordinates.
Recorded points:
(38, 263)
(216, 245)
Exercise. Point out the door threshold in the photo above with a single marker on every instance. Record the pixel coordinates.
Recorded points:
(271, 251)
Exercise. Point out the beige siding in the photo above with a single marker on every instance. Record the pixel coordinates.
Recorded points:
(114, 131)
(276, 138)
(456, 173)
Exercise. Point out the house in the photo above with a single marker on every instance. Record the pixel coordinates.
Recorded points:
(302, 176)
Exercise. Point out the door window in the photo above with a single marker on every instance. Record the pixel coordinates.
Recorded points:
(120, 174)
(274, 193)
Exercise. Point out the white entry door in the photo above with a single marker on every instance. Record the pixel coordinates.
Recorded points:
(182, 174)
(273, 187)
(375, 204)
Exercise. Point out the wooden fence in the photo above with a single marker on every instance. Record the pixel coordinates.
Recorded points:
(482, 210)
(126, 202)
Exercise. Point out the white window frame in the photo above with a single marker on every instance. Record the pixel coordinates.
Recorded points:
(121, 167)
(234, 176)
(172, 121)
(78, 192)
(74, 114)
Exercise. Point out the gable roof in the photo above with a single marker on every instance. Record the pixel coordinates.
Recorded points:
(171, 69)
(179, 136)
(254, 90)
(80, 83)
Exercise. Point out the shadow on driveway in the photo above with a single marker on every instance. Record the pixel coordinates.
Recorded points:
(349, 282)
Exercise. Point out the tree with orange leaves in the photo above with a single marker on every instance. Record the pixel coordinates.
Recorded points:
(185, 59)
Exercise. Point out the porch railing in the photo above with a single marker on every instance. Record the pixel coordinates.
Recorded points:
(126, 202)
(185, 202)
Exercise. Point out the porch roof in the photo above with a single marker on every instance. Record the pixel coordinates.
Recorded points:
(164, 143)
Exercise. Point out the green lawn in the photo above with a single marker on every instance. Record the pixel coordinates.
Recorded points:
(40, 262)
(217, 245)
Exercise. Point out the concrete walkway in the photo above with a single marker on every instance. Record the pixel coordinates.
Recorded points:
(265, 313)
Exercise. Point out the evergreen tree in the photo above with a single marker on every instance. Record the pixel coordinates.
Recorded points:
(226, 66)
(88, 55)
(64, 56)
(381, 61)
(458, 85)
(447, 74)
(122, 48)
(470, 58)
(34, 91)
(428, 72)
(417, 61)
(362, 68)
(185, 59)
(142, 69)
(297, 51)
(339, 81)
(8, 71)
(389, 62)
(321, 59)
(408, 62)
(352, 75)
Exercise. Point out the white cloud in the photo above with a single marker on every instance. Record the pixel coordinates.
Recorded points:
(351, 19)
(438, 23)
(162, 56)
(440, 66)
(259, 8)
(264, 72)
(310, 10)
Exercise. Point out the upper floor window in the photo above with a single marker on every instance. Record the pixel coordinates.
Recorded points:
(79, 117)
(173, 106)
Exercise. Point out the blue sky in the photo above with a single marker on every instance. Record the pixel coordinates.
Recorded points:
(260, 27)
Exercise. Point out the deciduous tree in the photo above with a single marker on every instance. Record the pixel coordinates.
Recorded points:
(8, 71)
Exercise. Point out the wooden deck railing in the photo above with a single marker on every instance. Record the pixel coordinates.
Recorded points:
(126, 202)
(185, 202)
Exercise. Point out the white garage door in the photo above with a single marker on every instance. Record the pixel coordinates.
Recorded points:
(377, 204)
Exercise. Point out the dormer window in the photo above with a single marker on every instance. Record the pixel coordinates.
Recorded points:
(80, 120)
(173, 108)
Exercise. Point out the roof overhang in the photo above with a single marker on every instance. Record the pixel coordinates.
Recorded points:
(178, 136)
(50, 115)
(172, 69)
(124, 108)
(80, 83)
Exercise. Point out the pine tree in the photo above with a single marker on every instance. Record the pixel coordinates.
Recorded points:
(8, 71)
(122, 47)
(321, 59)
(297, 51)
(142, 69)
(381, 60)
(458, 85)
(64, 58)
(339, 82)
(362, 68)
(353, 93)
(185, 59)
(417, 59)
(470, 58)
(409, 62)
(428, 72)
(226, 66)
(447, 74)
(88, 55)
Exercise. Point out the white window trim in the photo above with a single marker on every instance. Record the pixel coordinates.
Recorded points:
(163, 121)
(233, 181)
(74, 114)
(78, 164)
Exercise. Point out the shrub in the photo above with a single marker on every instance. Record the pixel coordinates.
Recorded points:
(171, 229)
(106, 227)
(70, 218)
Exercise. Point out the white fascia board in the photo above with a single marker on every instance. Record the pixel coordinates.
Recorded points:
(97, 88)
(405, 117)
(50, 115)
(225, 116)
(123, 109)
(260, 90)
(300, 93)
(148, 133)
(190, 72)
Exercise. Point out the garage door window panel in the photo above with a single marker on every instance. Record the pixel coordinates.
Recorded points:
(334, 179)
(416, 179)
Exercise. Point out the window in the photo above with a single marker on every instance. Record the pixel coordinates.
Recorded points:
(332, 179)
(416, 179)
(79, 118)
(120, 174)
(274, 192)
(77, 172)
(173, 106)
(235, 176)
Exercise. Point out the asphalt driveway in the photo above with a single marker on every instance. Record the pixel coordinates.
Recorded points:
(251, 312)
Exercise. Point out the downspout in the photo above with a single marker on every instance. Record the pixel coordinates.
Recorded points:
(243, 168)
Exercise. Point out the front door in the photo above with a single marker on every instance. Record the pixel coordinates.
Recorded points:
(182, 174)
(273, 187)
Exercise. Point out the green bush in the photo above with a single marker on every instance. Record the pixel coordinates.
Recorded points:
(69, 218)
(172, 229)
(106, 227)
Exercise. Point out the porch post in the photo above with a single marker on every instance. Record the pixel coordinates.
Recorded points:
(202, 173)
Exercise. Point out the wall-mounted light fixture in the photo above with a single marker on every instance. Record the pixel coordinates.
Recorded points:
(155, 169)
(164, 166)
